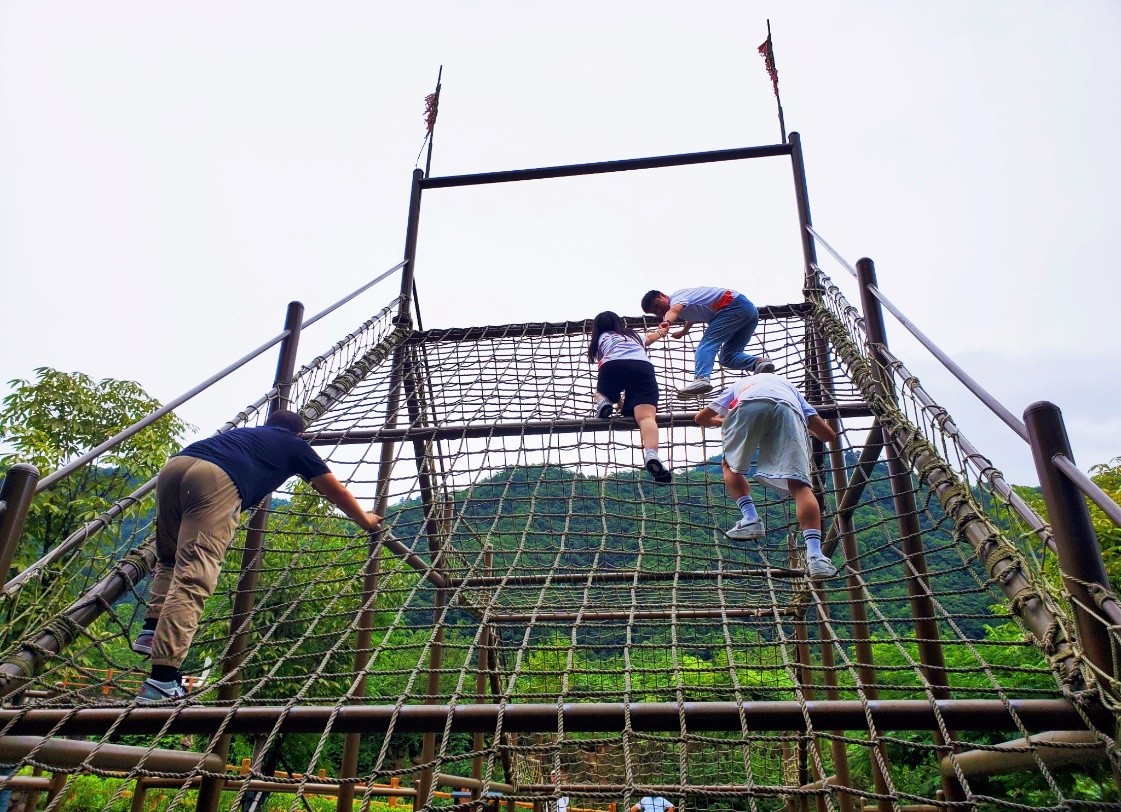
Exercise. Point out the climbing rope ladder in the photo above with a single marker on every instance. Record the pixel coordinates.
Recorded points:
(552, 624)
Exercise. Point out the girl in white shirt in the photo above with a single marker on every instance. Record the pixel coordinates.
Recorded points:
(625, 367)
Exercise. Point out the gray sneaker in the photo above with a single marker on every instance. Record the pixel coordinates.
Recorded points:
(745, 530)
(604, 409)
(700, 386)
(154, 690)
(820, 567)
(143, 642)
(763, 364)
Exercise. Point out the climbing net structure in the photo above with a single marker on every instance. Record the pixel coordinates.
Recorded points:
(538, 620)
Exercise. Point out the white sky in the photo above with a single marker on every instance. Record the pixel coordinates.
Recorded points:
(172, 175)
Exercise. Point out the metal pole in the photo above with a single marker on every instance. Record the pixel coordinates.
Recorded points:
(412, 229)
(906, 511)
(482, 668)
(432, 532)
(1080, 556)
(352, 742)
(16, 494)
(210, 791)
(600, 167)
(1022, 715)
(802, 200)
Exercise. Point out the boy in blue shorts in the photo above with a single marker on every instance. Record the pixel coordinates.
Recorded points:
(766, 412)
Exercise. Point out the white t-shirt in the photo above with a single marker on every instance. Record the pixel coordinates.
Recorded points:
(562, 803)
(655, 804)
(700, 303)
(619, 347)
(764, 386)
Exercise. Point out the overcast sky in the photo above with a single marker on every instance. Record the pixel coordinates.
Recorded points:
(171, 175)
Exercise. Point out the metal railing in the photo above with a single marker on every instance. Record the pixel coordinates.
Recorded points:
(1095, 607)
(20, 490)
(1061, 461)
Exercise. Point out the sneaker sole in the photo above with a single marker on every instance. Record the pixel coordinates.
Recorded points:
(659, 472)
(693, 393)
(145, 650)
(745, 536)
(821, 575)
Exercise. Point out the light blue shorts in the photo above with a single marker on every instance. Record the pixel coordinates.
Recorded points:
(778, 430)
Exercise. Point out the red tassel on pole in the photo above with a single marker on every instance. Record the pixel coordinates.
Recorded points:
(767, 51)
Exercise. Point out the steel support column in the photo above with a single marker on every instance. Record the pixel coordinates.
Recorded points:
(15, 501)
(1080, 555)
(906, 511)
(241, 619)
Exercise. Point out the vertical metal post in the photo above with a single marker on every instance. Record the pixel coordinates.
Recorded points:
(482, 667)
(906, 512)
(210, 790)
(1080, 555)
(432, 531)
(404, 311)
(353, 741)
(435, 664)
(802, 200)
(16, 494)
(348, 768)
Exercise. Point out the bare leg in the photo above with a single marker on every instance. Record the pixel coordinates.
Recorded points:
(736, 484)
(644, 415)
(805, 504)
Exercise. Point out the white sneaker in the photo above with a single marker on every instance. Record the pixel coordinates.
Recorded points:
(744, 530)
(604, 409)
(820, 567)
(700, 386)
(763, 364)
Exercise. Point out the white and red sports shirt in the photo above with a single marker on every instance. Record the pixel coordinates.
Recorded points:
(619, 347)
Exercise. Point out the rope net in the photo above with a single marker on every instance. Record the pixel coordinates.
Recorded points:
(616, 644)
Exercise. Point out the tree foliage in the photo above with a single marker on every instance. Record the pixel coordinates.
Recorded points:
(58, 417)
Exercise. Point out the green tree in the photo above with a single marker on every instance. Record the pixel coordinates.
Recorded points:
(58, 417)
(1106, 476)
(49, 422)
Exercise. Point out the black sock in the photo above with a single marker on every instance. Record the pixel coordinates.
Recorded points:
(165, 673)
(150, 623)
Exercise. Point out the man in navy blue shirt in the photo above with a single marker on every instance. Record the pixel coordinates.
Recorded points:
(200, 493)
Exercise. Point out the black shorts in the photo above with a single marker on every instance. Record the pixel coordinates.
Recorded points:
(636, 378)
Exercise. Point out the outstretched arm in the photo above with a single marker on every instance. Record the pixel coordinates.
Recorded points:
(709, 418)
(336, 493)
(654, 335)
(820, 429)
(685, 328)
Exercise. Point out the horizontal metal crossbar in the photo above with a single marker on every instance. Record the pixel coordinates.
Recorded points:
(533, 427)
(624, 576)
(602, 167)
(592, 615)
(1031, 715)
(575, 327)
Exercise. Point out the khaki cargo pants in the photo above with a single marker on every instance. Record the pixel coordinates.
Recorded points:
(197, 509)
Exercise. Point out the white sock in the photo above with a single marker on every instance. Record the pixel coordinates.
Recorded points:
(813, 542)
(649, 454)
(747, 508)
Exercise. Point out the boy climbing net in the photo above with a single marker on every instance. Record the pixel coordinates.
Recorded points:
(766, 412)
